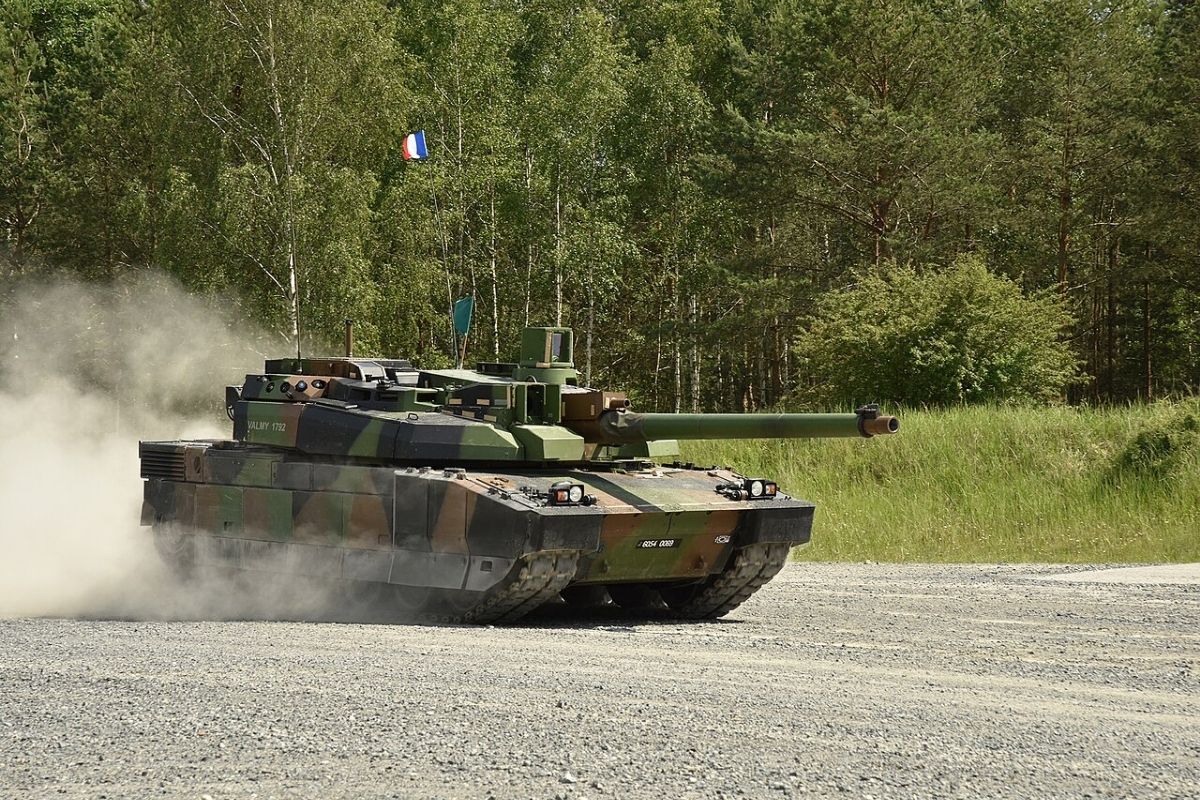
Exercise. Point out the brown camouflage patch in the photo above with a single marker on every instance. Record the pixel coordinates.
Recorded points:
(449, 533)
(318, 517)
(368, 524)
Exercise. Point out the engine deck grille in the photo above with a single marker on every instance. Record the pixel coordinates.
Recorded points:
(162, 461)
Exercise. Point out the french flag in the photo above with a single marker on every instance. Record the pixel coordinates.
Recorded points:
(414, 146)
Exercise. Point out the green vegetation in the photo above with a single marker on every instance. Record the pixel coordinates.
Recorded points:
(683, 183)
(997, 484)
(957, 335)
(737, 205)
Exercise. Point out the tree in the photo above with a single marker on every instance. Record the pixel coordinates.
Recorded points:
(469, 105)
(575, 78)
(1078, 118)
(117, 136)
(22, 101)
(1173, 197)
(668, 133)
(305, 102)
(684, 183)
(884, 128)
(957, 335)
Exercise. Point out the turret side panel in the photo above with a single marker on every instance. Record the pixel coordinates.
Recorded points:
(336, 431)
(441, 437)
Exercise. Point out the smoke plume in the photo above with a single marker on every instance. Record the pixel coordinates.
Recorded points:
(86, 373)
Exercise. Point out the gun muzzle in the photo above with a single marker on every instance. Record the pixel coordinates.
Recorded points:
(872, 423)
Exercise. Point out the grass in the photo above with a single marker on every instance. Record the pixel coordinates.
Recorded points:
(980, 484)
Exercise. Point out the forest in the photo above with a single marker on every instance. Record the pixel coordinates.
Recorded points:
(736, 204)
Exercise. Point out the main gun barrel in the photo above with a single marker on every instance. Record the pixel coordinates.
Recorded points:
(626, 427)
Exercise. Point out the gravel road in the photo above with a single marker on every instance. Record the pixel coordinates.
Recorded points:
(836, 680)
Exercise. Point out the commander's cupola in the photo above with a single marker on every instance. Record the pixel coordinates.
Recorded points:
(547, 356)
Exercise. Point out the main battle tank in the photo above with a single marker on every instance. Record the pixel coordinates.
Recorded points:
(479, 495)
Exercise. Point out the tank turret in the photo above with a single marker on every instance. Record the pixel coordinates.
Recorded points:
(479, 494)
(531, 410)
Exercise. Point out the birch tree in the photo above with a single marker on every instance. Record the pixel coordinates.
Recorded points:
(21, 109)
(305, 99)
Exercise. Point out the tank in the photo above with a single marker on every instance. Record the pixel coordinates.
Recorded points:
(479, 495)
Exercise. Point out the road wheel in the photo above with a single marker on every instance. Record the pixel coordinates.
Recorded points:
(747, 571)
(177, 549)
(389, 602)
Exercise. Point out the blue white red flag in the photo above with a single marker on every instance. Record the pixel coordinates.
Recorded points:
(414, 146)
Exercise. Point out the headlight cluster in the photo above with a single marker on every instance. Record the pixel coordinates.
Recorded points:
(565, 493)
(758, 488)
(750, 489)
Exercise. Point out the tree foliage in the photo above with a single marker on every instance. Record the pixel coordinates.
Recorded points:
(691, 185)
(955, 335)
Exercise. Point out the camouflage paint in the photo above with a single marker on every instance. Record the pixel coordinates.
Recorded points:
(331, 473)
(451, 520)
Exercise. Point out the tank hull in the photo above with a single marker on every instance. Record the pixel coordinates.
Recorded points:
(485, 543)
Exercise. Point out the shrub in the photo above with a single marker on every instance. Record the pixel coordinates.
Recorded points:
(1160, 450)
(956, 335)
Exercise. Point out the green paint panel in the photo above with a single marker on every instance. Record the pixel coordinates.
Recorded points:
(631, 550)
(656, 449)
(342, 478)
(267, 514)
(485, 443)
(366, 445)
(549, 443)
(256, 472)
(319, 517)
(219, 509)
(659, 493)
(272, 423)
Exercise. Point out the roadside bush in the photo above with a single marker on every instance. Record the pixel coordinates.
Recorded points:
(1160, 450)
(956, 335)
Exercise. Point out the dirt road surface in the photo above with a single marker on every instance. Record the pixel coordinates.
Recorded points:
(834, 681)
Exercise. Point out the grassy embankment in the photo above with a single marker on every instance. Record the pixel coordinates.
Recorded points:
(996, 484)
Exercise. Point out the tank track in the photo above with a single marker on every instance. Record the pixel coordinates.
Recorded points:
(538, 578)
(750, 568)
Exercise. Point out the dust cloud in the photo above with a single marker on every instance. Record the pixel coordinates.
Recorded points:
(86, 373)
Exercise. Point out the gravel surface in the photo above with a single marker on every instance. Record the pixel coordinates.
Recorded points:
(835, 680)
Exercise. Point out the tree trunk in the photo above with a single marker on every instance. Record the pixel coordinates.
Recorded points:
(293, 300)
(748, 400)
(677, 364)
(1065, 203)
(495, 277)
(288, 223)
(558, 233)
(444, 246)
(1110, 313)
(591, 325)
(1064, 240)
(529, 233)
(1147, 371)
(657, 361)
(695, 353)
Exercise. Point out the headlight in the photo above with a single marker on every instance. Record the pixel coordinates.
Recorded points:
(759, 488)
(565, 493)
(749, 489)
